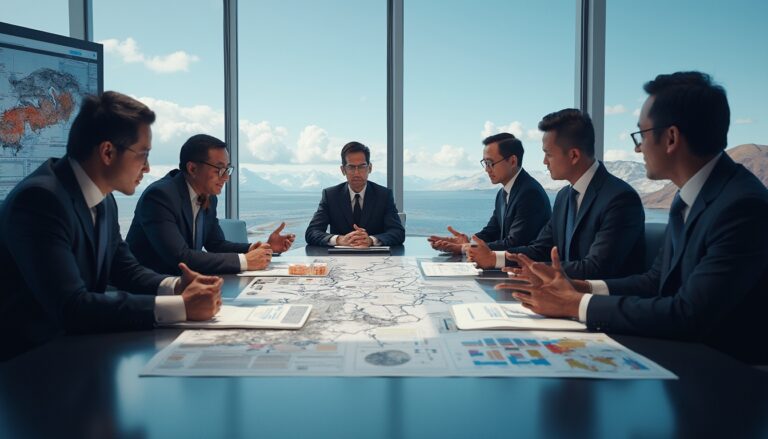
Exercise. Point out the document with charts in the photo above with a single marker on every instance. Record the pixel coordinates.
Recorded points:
(507, 316)
(377, 316)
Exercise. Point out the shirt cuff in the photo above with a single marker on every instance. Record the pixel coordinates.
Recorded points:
(167, 286)
(243, 262)
(598, 287)
(375, 241)
(583, 305)
(332, 241)
(169, 309)
(501, 261)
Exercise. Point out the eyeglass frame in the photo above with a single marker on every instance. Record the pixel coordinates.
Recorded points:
(145, 154)
(485, 165)
(355, 168)
(640, 132)
(228, 169)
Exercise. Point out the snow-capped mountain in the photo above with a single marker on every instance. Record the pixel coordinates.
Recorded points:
(634, 174)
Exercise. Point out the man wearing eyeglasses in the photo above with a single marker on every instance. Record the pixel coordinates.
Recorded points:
(597, 220)
(360, 213)
(521, 208)
(60, 243)
(708, 282)
(175, 218)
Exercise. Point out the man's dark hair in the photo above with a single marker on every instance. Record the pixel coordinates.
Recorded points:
(573, 128)
(695, 105)
(355, 147)
(512, 147)
(112, 117)
(195, 149)
(497, 138)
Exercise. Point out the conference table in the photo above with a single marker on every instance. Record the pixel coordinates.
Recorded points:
(89, 386)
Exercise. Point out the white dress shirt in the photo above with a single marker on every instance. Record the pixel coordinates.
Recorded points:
(168, 307)
(689, 192)
(332, 240)
(195, 209)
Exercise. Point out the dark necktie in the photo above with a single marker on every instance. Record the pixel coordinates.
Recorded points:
(570, 222)
(200, 222)
(100, 228)
(357, 211)
(676, 223)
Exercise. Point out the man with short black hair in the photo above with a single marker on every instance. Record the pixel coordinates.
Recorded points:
(60, 243)
(708, 281)
(360, 213)
(175, 218)
(521, 207)
(598, 220)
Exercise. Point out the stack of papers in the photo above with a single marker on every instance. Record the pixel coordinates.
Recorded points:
(449, 268)
(253, 317)
(349, 249)
(507, 316)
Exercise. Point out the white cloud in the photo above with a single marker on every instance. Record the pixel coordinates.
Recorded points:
(174, 121)
(264, 142)
(636, 113)
(534, 134)
(745, 121)
(129, 51)
(624, 135)
(451, 156)
(622, 154)
(615, 109)
(489, 128)
(312, 144)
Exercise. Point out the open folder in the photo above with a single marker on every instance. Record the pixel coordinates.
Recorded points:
(253, 317)
(507, 316)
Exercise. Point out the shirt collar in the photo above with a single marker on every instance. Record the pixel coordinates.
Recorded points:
(511, 182)
(583, 182)
(91, 192)
(692, 187)
(352, 193)
(192, 193)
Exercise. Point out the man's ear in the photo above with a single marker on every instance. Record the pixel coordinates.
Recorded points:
(574, 155)
(107, 152)
(191, 168)
(673, 139)
(343, 171)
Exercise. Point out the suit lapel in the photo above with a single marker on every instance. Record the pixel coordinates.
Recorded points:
(67, 177)
(345, 205)
(591, 195)
(369, 204)
(186, 205)
(559, 218)
(501, 210)
(717, 179)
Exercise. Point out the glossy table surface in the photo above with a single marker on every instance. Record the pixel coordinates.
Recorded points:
(89, 386)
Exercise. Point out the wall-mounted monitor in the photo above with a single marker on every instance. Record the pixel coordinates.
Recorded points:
(43, 79)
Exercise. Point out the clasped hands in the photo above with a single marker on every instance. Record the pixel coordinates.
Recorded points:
(356, 238)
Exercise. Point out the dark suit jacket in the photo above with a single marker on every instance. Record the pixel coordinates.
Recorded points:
(161, 232)
(607, 240)
(716, 289)
(48, 259)
(519, 220)
(379, 217)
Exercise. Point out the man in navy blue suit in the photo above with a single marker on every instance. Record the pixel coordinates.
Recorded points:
(175, 218)
(598, 219)
(360, 213)
(521, 208)
(708, 282)
(60, 242)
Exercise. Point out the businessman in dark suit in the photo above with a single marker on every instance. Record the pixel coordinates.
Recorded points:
(60, 243)
(360, 213)
(175, 218)
(708, 282)
(521, 207)
(598, 220)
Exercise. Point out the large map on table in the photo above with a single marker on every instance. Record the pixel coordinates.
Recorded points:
(377, 316)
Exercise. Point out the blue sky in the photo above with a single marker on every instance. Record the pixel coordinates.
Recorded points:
(312, 74)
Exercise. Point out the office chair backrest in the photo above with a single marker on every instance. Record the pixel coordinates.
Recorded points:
(234, 230)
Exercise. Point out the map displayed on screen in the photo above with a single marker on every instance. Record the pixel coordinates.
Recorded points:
(42, 84)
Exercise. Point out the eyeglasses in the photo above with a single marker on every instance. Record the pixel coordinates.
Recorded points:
(351, 169)
(139, 154)
(222, 169)
(488, 163)
(638, 136)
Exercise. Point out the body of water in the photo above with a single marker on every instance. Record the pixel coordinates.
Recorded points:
(427, 212)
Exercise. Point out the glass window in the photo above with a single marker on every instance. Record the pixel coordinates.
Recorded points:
(30, 14)
(717, 38)
(473, 69)
(175, 66)
(312, 78)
